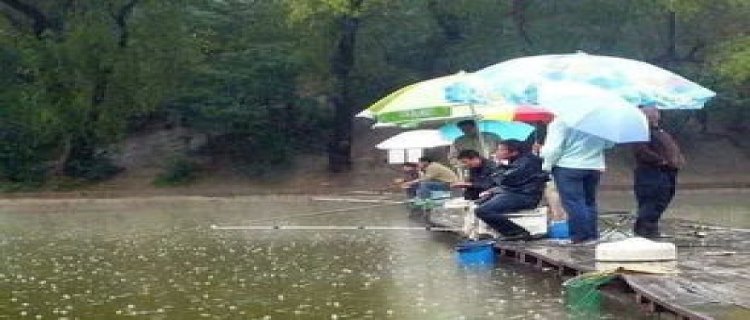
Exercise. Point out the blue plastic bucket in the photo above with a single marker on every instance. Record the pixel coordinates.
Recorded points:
(559, 230)
(470, 253)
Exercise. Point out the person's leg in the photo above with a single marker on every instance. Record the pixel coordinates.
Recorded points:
(648, 193)
(590, 187)
(493, 212)
(472, 193)
(666, 192)
(570, 188)
(411, 191)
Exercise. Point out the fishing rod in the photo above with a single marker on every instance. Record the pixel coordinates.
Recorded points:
(378, 228)
(333, 211)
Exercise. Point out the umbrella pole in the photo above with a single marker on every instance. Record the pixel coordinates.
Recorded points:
(480, 136)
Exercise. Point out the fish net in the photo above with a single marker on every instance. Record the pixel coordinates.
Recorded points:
(582, 296)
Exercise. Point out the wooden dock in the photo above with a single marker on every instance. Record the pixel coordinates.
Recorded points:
(713, 279)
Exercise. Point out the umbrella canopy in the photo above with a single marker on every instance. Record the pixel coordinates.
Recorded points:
(523, 113)
(424, 102)
(637, 82)
(506, 130)
(594, 111)
(415, 139)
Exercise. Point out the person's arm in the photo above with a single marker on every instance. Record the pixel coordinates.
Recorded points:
(644, 154)
(519, 171)
(553, 145)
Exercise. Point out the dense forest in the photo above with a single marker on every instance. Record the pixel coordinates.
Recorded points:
(267, 79)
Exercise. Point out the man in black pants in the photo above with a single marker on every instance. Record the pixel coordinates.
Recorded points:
(657, 164)
(480, 174)
(519, 185)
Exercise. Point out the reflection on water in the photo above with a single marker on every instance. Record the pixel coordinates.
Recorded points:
(160, 260)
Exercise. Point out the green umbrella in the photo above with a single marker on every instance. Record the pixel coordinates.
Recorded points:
(425, 102)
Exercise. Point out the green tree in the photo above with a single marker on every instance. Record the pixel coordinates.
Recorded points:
(79, 82)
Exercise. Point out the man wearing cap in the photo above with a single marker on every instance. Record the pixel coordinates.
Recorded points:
(470, 141)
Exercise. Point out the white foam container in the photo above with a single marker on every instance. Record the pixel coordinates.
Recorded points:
(533, 220)
(635, 250)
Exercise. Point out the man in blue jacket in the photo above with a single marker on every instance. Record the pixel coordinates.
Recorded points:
(519, 181)
(480, 174)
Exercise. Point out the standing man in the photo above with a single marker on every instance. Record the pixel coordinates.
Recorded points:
(657, 164)
(519, 186)
(480, 174)
(470, 141)
(576, 160)
(435, 177)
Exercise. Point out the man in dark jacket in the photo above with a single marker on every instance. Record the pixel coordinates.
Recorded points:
(657, 164)
(480, 174)
(519, 185)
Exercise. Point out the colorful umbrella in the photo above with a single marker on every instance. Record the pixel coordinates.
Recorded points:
(523, 113)
(425, 102)
(504, 129)
(595, 111)
(637, 82)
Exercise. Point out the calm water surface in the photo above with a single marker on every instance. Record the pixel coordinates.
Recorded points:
(160, 260)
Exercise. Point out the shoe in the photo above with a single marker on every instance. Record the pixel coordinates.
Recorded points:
(660, 236)
(523, 236)
(485, 236)
(584, 242)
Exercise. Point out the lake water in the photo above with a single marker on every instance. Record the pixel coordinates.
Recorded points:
(159, 259)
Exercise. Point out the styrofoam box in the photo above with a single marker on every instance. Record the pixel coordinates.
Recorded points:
(534, 220)
(636, 249)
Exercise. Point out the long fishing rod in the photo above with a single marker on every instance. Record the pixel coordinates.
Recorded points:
(379, 228)
(327, 212)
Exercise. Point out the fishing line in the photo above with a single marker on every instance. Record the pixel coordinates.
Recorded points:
(327, 212)
(380, 228)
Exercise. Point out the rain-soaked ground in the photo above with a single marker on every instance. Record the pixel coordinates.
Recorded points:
(158, 259)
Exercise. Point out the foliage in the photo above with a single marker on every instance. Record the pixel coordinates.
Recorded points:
(75, 84)
(180, 170)
(265, 80)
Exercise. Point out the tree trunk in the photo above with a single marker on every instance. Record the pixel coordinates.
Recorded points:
(518, 13)
(40, 22)
(121, 17)
(342, 63)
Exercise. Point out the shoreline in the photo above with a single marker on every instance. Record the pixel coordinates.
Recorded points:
(222, 193)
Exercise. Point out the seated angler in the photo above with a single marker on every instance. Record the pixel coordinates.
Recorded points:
(519, 185)
(480, 174)
(435, 177)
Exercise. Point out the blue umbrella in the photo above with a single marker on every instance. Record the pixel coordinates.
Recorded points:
(637, 82)
(595, 111)
(504, 129)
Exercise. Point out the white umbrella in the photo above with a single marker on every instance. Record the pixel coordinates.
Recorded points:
(415, 139)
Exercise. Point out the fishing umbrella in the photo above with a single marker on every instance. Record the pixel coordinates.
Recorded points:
(594, 111)
(415, 139)
(504, 129)
(639, 83)
(424, 102)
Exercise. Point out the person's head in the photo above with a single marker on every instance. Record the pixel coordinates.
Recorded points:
(652, 114)
(510, 149)
(467, 126)
(424, 162)
(409, 167)
(470, 158)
